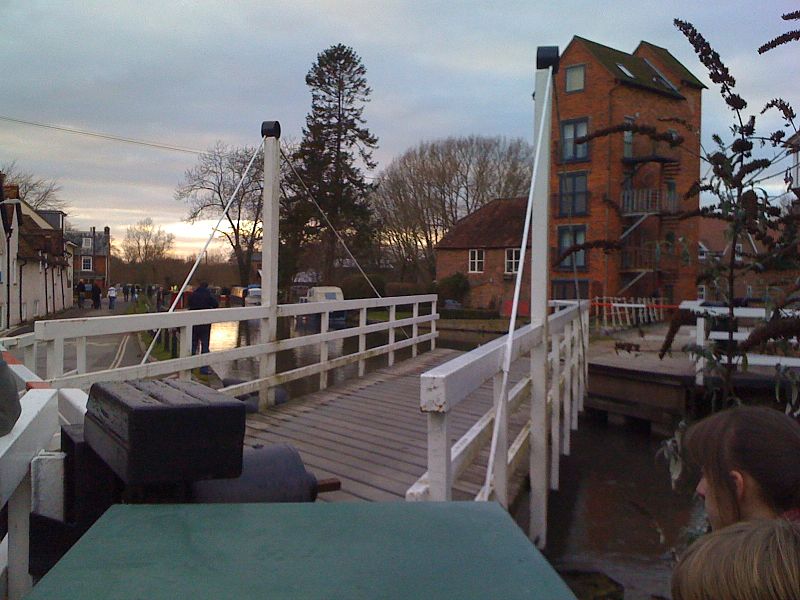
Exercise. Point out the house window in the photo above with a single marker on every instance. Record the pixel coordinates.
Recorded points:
(476, 261)
(564, 289)
(749, 291)
(35, 308)
(570, 131)
(701, 292)
(570, 236)
(512, 260)
(627, 139)
(86, 263)
(572, 198)
(702, 254)
(87, 243)
(739, 250)
(575, 78)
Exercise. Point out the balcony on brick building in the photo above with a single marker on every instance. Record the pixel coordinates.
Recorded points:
(648, 258)
(644, 150)
(648, 201)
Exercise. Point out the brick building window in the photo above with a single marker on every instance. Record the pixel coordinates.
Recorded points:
(476, 261)
(575, 78)
(572, 198)
(564, 289)
(569, 236)
(87, 243)
(86, 263)
(701, 292)
(570, 130)
(512, 261)
(627, 140)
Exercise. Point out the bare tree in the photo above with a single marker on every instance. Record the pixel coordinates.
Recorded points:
(146, 243)
(210, 183)
(422, 193)
(39, 192)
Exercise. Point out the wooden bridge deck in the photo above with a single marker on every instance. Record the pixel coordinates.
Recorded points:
(369, 432)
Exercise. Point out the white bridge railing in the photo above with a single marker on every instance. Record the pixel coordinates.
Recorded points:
(402, 333)
(557, 351)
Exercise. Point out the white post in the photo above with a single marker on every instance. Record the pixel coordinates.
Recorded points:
(433, 326)
(569, 379)
(392, 319)
(324, 320)
(700, 341)
(500, 466)
(555, 411)
(55, 358)
(540, 268)
(440, 466)
(362, 340)
(271, 130)
(185, 348)
(19, 510)
(80, 354)
(415, 329)
(29, 356)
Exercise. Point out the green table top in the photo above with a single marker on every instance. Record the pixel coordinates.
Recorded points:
(345, 551)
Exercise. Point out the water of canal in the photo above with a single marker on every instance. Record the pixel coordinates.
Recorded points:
(615, 511)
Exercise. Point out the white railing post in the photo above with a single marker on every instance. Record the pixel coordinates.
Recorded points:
(555, 410)
(501, 452)
(440, 466)
(433, 326)
(270, 132)
(19, 510)
(185, 348)
(80, 354)
(700, 341)
(55, 358)
(415, 329)
(569, 378)
(392, 319)
(362, 340)
(323, 349)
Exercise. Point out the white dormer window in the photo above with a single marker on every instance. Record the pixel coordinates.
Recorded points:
(625, 70)
(87, 243)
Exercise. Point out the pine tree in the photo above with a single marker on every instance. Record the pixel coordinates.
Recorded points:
(336, 145)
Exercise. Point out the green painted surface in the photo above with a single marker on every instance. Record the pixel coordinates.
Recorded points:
(343, 551)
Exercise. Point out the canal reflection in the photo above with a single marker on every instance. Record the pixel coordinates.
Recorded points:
(615, 511)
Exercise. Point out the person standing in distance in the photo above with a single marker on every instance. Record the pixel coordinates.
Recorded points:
(200, 299)
(112, 296)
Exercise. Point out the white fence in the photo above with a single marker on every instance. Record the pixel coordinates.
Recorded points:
(746, 319)
(555, 387)
(620, 313)
(26, 452)
(402, 333)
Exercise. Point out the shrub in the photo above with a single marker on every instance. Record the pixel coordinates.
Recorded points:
(454, 287)
(402, 288)
(355, 286)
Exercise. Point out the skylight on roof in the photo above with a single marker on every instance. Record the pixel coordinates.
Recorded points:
(625, 70)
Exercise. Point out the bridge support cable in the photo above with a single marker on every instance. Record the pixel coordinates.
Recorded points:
(335, 231)
(205, 247)
(500, 418)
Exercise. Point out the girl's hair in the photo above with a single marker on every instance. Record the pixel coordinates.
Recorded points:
(760, 441)
(750, 560)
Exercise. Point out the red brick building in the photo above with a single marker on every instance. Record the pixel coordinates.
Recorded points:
(623, 188)
(485, 247)
(91, 263)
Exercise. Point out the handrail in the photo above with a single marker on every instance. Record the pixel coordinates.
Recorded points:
(444, 387)
(55, 334)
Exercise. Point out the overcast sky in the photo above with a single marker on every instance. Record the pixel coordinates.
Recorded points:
(191, 73)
